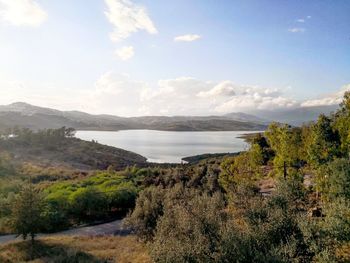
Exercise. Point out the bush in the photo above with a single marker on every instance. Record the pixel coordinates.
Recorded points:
(148, 209)
(189, 230)
(88, 204)
(333, 180)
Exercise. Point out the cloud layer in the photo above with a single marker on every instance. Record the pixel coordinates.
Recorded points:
(330, 99)
(119, 94)
(127, 18)
(22, 12)
(182, 96)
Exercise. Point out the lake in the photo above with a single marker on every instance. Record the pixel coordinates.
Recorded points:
(169, 146)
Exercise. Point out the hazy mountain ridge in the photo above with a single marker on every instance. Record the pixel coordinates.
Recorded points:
(33, 117)
(296, 116)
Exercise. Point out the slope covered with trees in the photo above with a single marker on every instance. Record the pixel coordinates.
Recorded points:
(306, 218)
(217, 209)
(59, 147)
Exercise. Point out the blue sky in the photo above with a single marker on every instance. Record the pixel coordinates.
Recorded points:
(248, 54)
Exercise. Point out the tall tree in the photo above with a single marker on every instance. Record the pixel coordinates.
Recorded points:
(27, 212)
(324, 142)
(342, 123)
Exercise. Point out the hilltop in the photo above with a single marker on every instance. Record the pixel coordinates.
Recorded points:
(33, 117)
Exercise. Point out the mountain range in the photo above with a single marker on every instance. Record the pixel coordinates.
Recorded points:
(25, 115)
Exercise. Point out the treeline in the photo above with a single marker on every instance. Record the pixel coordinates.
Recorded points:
(48, 138)
(234, 222)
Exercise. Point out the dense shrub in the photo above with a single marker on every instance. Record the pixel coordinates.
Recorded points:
(189, 230)
(333, 179)
(148, 209)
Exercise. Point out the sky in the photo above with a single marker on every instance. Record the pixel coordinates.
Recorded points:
(183, 57)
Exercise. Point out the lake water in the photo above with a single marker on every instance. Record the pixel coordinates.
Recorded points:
(169, 146)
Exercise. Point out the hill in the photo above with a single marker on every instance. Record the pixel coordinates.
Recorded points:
(25, 115)
(52, 148)
(33, 117)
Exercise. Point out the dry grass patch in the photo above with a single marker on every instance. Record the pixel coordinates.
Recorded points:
(77, 249)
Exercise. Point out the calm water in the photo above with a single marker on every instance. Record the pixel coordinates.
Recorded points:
(169, 146)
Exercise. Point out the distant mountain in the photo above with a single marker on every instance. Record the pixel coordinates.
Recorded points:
(240, 116)
(27, 109)
(25, 115)
(33, 117)
(296, 116)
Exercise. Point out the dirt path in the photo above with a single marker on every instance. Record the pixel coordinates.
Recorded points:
(111, 228)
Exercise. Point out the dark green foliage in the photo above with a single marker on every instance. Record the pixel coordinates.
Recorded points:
(342, 124)
(287, 144)
(324, 145)
(260, 145)
(333, 179)
(189, 225)
(27, 218)
(326, 235)
(149, 207)
(189, 230)
(49, 139)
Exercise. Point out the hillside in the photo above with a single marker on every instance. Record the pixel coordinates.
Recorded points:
(25, 115)
(46, 149)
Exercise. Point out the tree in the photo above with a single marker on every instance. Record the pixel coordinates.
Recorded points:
(324, 142)
(287, 144)
(342, 123)
(27, 219)
(240, 169)
(260, 149)
(148, 209)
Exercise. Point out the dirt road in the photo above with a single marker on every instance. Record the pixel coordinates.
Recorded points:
(111, 228)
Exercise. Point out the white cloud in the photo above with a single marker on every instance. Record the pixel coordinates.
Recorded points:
(187, 38)
(308, 17)
(255, 101)
(119, 94)
(22, 12)
(125, 53)
(225, 88)
(331, 99)
(190, 96)
(297, 30)
(301, 20)
(127, 18)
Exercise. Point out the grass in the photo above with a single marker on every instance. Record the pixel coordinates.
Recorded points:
(69, 249)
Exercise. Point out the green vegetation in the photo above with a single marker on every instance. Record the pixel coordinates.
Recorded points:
(99, 197)
(213, 210)
(27, 210)
(305, 218)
